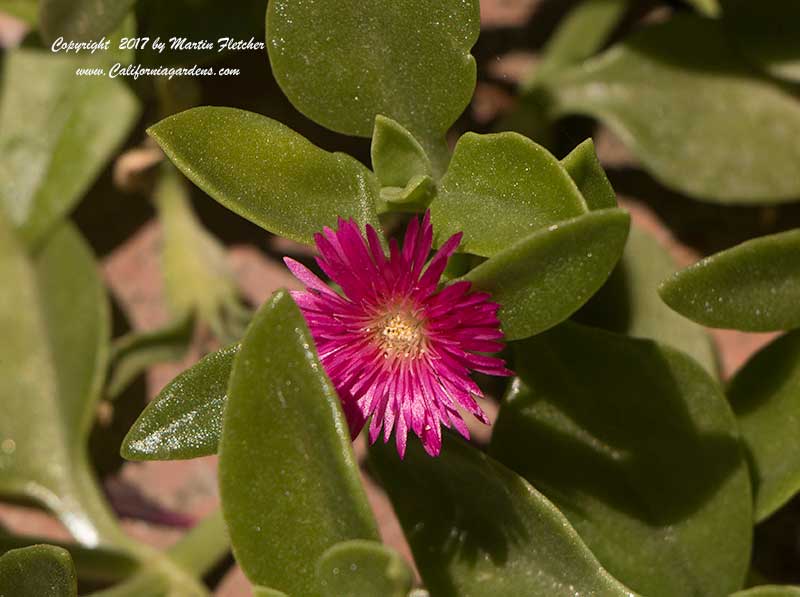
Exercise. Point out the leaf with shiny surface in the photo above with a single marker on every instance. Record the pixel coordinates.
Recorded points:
(363, 569)
(643, 457)
(279, 181)
(38, 571)
(71, 127)
(500, 188)
(753, 287)
(544, 278)
(397, 156)
(662, 100)
(289, 481)
(376, 57)
(765, 395)
(584, 168)
(185, 419)
(479, 530)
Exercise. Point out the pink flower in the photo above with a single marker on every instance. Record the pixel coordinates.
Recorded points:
(395, 347)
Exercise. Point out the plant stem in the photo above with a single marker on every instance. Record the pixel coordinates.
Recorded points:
(202, 547)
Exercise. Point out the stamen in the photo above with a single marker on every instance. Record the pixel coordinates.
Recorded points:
(399, 333)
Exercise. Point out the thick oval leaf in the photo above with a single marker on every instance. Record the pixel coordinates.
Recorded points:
(637, 446)
(80, 20)
(38, 571)
(544, 278)
(629, 302)
(93, 565)
(767, 33)
(361, 568)
(71, 127)
(584, 168)
(479, 530)
(661, 98)
(754, 287)
(415, 197)
(289, 481)
(377, 57)
(281, 181)
(765, 395)
(397, 156)
(185, 419)
(54, 317)
(770, 591)
(499, 189)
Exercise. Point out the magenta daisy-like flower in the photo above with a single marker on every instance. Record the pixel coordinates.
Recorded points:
(396, 347)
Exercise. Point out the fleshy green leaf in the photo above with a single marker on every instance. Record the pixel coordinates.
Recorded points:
(185, 419)
(499, 189)
(54, 317)
(289, 481)
(80, 20)
(282, 182)
(584, 168)
(765, 395)
(477, 529)
(754, 286)
(134, 353)
(662, 99)
(377, 57)
(580, 34)
(770, 591)
(766, 32)
(37, 571)
(95, 565)
(397, 156)
(414, 197)
(547, 276)
(361, 568)
(629, 302)
(71, 127)
(635, 443)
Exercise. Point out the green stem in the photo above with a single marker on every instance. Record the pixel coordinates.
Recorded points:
(95, 516)
(202, 547)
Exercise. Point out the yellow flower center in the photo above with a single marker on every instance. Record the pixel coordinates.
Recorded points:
(399, 334)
